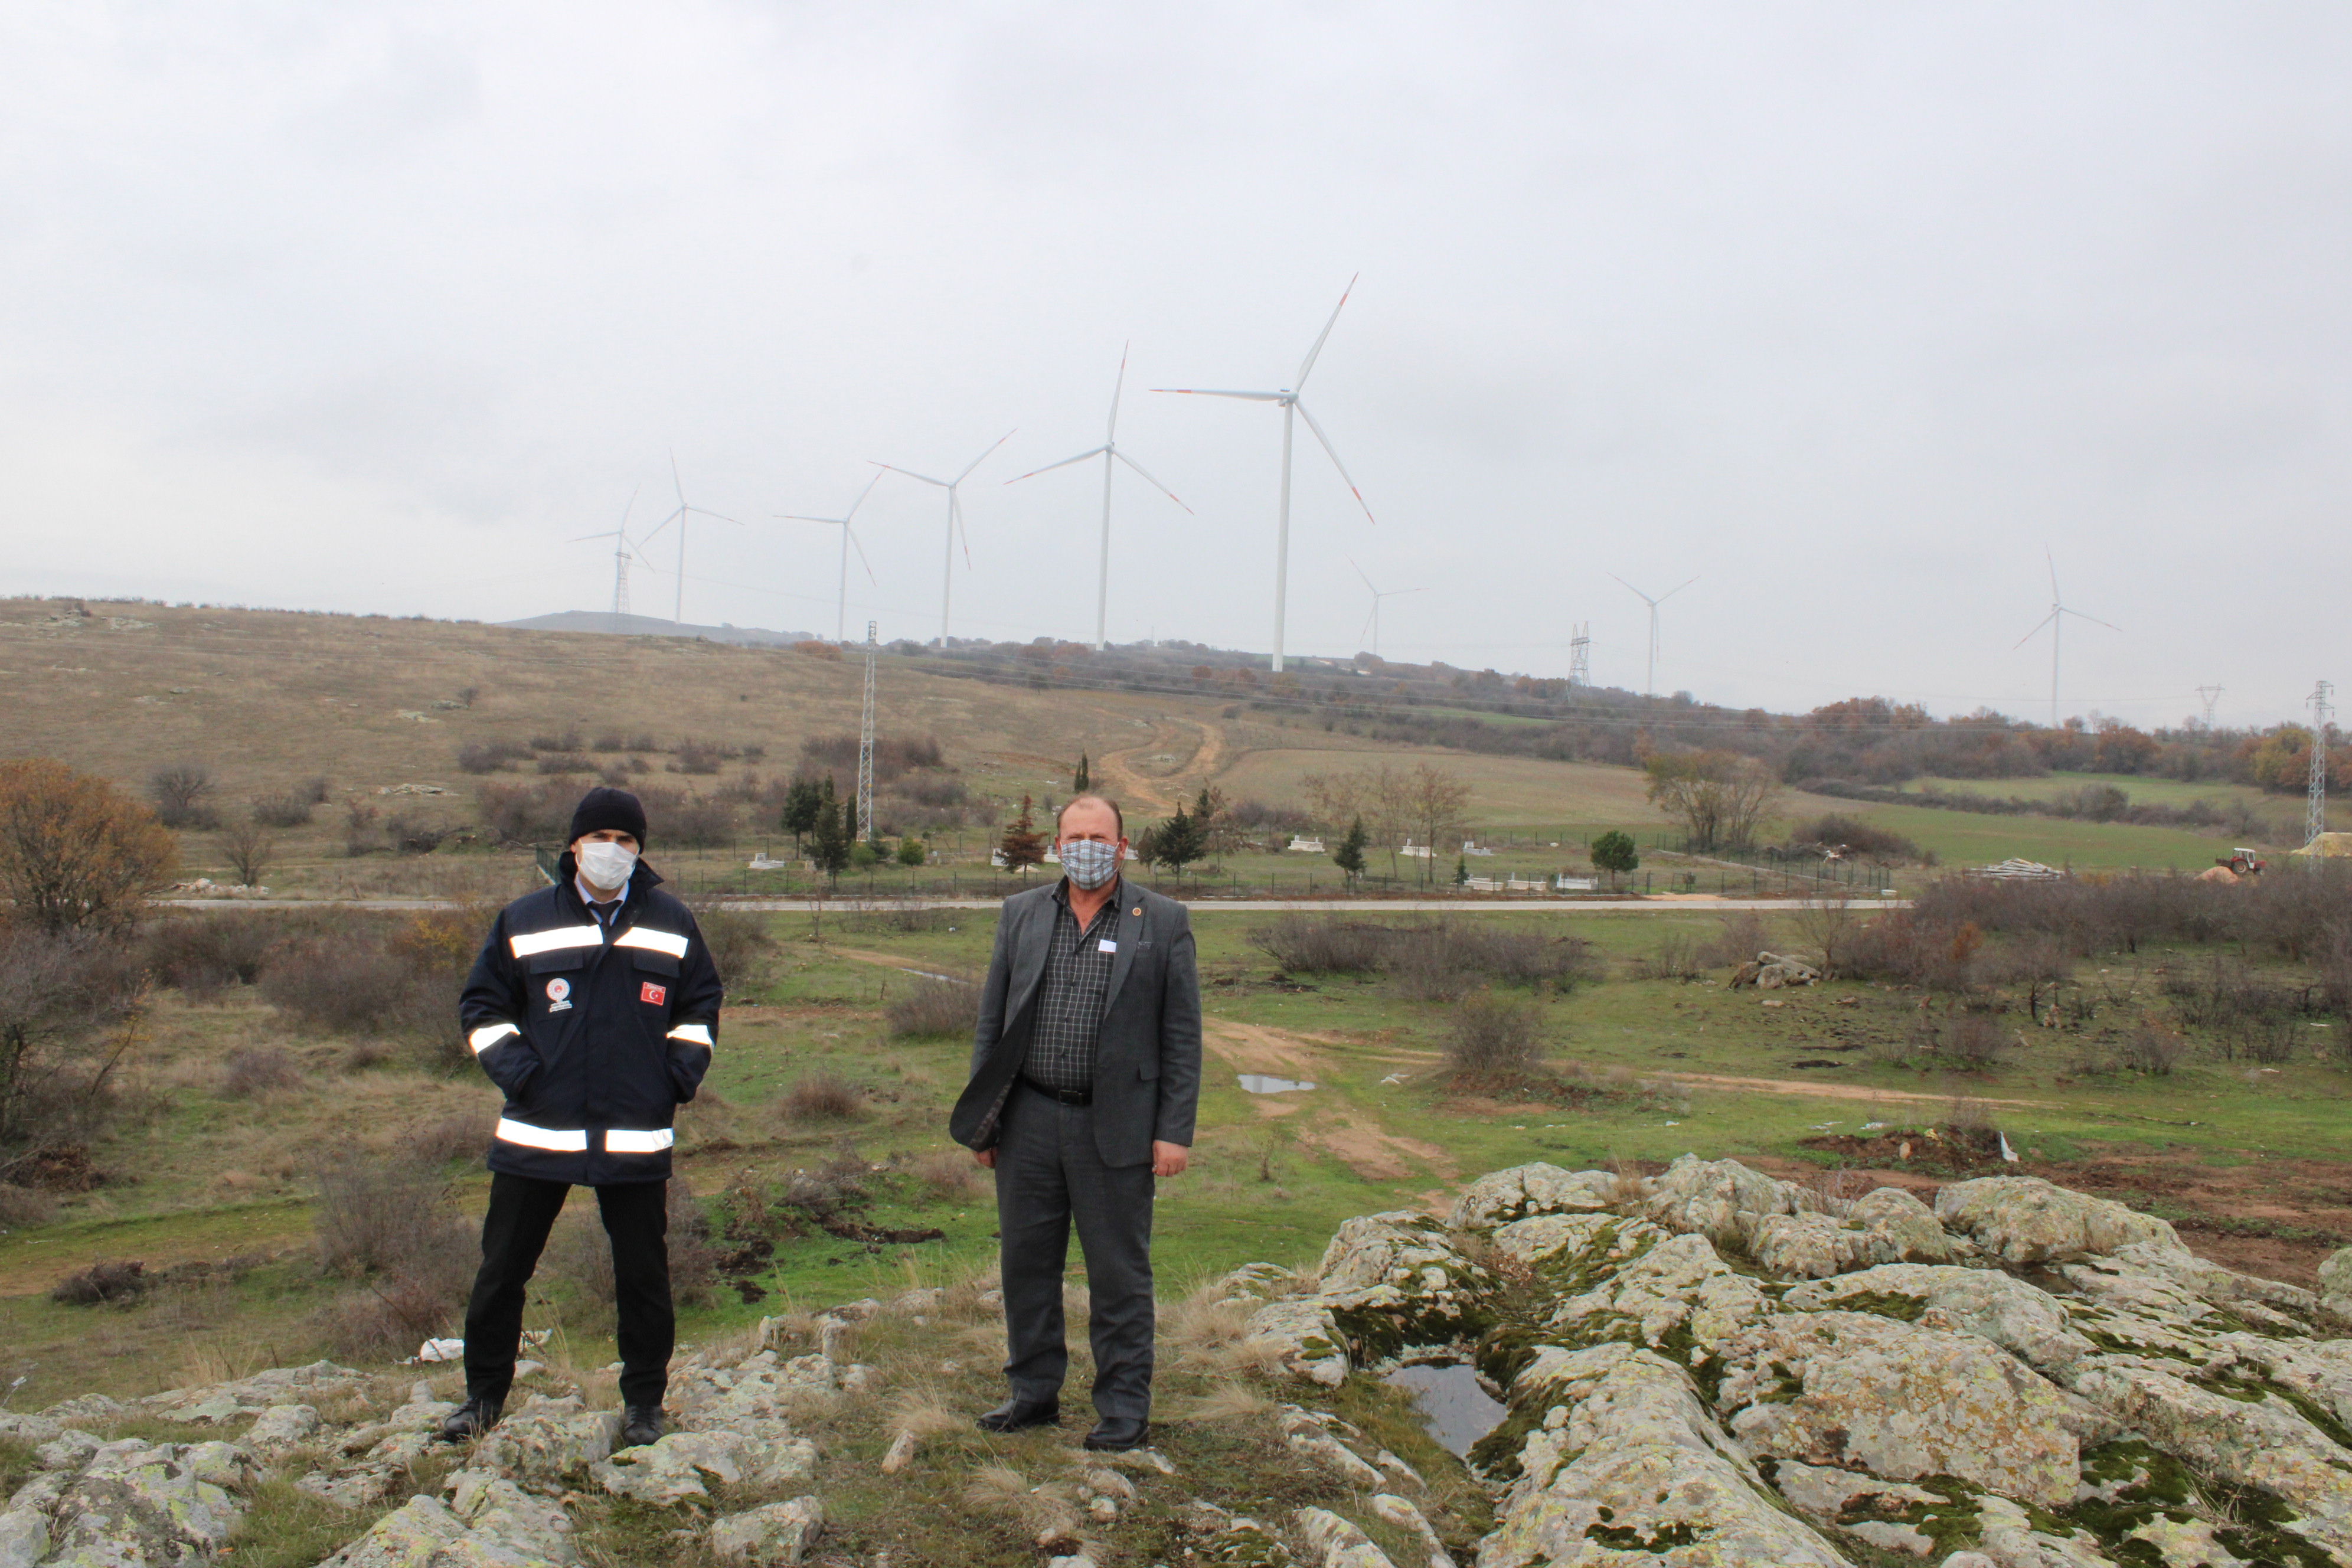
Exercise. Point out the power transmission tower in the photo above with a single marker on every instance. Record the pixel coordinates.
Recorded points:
(2315, 812)
(1580, 655)
(865, 744)
(2208, 695)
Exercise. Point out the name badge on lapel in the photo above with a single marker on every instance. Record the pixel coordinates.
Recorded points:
(1106, 945)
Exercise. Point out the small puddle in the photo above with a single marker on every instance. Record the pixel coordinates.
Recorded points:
(1258, 1083)
(1454, 1409)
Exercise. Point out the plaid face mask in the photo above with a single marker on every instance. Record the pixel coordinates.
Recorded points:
(1089, 864)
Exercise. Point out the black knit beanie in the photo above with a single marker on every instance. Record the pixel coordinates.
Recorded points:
(601, 808)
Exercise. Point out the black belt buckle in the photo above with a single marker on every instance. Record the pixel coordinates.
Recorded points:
(1066, 1096)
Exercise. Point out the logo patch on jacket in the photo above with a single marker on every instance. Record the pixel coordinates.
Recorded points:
(652, 994)
(558, 991)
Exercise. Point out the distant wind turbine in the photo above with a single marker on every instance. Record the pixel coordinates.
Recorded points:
(1374, 620)
(620, 538)
(678, 612)
(955, 526)
(1650, 682)
(2057, 620)
(1288, 399)
(848, 538)
(1110, 454)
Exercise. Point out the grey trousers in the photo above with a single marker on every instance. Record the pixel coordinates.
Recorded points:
(1049, 1174)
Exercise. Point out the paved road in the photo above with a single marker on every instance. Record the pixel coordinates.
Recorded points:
(1685, 903)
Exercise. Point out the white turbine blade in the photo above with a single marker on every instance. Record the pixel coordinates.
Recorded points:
(1359, 572)
(2036, 631)
(1675, 589)
(861, 497)
(1082, 457)
(955, 514)
(1365, 630)
(1211, 392)
(801, 517)
(1400, 592)
(976, 462)
(664, 522)
(2052, 560)
(678, 483)
(1332, 452)
(1110, 432)
(1308, 363)
(1138, 468)
(585, 537)
(1645, 597)
(851, 534)
(2093, 619)
(716, 517)
(630, 508)
(910, 473)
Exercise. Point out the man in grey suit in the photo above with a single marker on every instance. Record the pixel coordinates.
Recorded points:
(1085, 1073)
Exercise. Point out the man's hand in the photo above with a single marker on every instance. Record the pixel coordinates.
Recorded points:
(987, 1158)
(1169, 1159)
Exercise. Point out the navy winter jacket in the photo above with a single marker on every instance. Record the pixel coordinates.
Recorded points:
(595, 1036)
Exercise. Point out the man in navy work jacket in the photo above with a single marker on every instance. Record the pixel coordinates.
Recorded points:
(1085, 1073)
(594, 1006)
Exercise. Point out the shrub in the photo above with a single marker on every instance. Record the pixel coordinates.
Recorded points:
(1495, 1038)
(933, 1008)
(824, 1096)
(738, 940)
(488, 756)
(2153, 1049)
(1322, 945)
(1855, 836)
(103, 1282)
(1741, 939)
(291, 809)
(581, 1252)
(566, 740)
(414, 835)
(693, 1261)
(63, 1000)
(460, 1135)
(248, 848)
(254, 1071)
(1967, 1042)
(526, 813)
(74, 852)
(178, 791)
(949, 1176)
(374, 1215)
(685, 821)
(566, 762)
(21, 1208)
(1675, 958)
(698, 757)
(200, 954)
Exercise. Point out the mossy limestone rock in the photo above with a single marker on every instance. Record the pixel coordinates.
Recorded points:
(2024, 1219)
(775, 1536)
(1522, 1191)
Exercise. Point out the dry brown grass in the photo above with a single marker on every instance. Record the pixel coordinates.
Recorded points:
(951, 1175)
(823, 1096)
(1228, 1401)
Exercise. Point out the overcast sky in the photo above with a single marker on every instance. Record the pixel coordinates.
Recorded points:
(1846, 310)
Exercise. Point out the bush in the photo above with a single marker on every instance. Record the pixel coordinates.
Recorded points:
(1966, 1042)
(1324, 945)
(824, 1096)
(685, 821)
(1856, 837)
(21, 1208)
(1675, 958)
(76, 852)
(396, 980)
(1741, 939)
(1495, 1038)
(526, 813)
(178, 791)
(700, 757)
(933, 1008)
(738, 941)
(2153, 1049)
(566, 762)
(488, 756)
(460, 1135)
(950, 1177)
(415, 836)
(254, 1071)
(103, 1282)
(248, 848)
(568, 741)
(693, 1261)
(391, 1224)
(64, 1003)
(199, 954)
(288, 809)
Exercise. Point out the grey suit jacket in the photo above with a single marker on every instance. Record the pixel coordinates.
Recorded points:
(1148, 1055)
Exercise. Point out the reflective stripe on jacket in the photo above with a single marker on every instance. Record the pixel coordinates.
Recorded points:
(595, 1036)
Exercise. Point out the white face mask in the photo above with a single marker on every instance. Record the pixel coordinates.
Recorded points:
(605, 867)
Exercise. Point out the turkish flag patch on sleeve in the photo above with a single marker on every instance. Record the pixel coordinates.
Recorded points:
(652, 994)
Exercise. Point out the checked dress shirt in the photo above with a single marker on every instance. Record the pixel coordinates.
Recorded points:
(1070, 998)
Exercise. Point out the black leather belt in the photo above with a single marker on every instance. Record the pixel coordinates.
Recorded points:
(1063, 1096)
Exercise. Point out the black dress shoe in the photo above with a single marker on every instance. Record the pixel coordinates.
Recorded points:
(1016, 1413)
(1116, 1434)
(640, 1425)
(471, 1419)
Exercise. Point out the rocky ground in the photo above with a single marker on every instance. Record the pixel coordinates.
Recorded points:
(1706, 1367)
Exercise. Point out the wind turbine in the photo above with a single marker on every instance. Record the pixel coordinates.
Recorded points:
(1288, 399)
(2055, 621)
(620, 538)
(678, 613)
(848, 538)
(1650, 682)
(955, 525)
(1110, 454)
(1374, 621)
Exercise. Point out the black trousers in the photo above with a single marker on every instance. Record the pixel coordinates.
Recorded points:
(1049, 1174)
(522, 1211)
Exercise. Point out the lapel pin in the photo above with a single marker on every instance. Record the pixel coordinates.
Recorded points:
(1137, 911)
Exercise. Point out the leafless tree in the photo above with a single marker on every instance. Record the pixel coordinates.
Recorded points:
(1721, 796)
(249, 849)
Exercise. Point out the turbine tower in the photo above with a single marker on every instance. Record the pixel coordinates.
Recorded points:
(620, 538)
(955, 526)
(1374, 620)
(2315, 810)
(2057, 620)
(1111, 456)
(848, 538)
(1288, 399)
(1650, 682)
(678, 609)
(866, 746)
